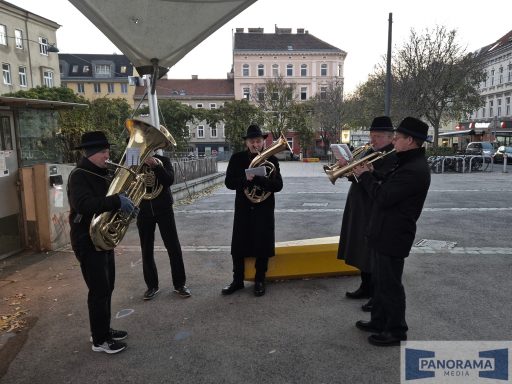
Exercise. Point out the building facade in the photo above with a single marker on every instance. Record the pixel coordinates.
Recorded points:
(197, 93)
(27, 50)
(300, 58)
(97, 75)
(493, 121)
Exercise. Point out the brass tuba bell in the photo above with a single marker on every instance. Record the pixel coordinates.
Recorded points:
(108, 229)
(256, 194)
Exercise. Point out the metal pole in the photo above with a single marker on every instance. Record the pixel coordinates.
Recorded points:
(152, 103)
(387, 100)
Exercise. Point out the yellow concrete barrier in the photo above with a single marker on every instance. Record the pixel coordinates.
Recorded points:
(303, 258)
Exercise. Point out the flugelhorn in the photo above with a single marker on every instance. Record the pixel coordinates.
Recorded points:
(347, 170)
(355, 154)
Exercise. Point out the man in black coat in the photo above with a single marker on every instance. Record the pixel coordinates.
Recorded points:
(87, 194)
(353, 247)
(397, 204)
(253, 226)
(159, 211)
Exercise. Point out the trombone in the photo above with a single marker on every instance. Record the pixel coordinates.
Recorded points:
(347, 170)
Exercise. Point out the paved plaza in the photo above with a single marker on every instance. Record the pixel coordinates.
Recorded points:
(457, 280)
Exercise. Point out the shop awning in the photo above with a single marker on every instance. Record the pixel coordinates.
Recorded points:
(20, 102)
(457, 133)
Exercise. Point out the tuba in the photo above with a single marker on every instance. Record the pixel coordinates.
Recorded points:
(346, 171)
(255, 193)
(108, 228)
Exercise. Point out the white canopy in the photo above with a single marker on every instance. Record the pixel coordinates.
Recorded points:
(159, 29)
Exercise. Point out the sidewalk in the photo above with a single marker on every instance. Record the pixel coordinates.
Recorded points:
(301, 331)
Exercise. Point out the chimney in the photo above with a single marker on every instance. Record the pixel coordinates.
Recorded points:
(300, 31)
(239, 30)
(255, 30)
(194, 77)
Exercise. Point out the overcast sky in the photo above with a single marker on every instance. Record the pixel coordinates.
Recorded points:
(358, 27)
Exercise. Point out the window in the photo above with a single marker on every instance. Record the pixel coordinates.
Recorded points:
(340, 70)
(245, 70)
(483, 111)
(199, 105)
(74, 69)
(303, 93)
(213, 131)
(86, 69)
(492, 78)
(43, 46)
(22, 74)
(6, 72)
(323, 70)
(289, 70)
(200, 131)
(323, 93)
(123, 68)
(507, 102)
(186, 132)
(80, 88)
(499, 107)
(97, 87)
(261, 70)
(18, 38)
(213, 106)
(275, 70)
(223, 131)
(5, 134)
(124, 88)
(261, 93)
(110, 87)
(491, 109)
(510, 72)
(501, 75)
(102, 69)
(246, 93)
(275, 95)
(48, 78)
(3, 35)
(303, 70)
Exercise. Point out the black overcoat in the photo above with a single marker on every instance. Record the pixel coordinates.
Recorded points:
(353, 247)
(253, 225)
(397, 203)
(87, 194)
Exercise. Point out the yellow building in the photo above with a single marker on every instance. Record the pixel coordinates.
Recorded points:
(97, 75)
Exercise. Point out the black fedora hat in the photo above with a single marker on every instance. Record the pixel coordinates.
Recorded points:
(414, 127)
(93, 139)
(254, 131)
(382, 123)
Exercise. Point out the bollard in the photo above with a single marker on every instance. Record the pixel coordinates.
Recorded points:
(505, 162)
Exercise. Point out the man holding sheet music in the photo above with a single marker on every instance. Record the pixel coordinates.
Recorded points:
(353, 247)
(253, 225)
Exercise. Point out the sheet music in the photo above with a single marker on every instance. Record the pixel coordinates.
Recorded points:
(258, 171)
(341, 150)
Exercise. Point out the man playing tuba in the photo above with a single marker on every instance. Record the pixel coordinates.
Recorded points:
(253, 226)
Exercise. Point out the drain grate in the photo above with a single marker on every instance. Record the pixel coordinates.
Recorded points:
(436, 244)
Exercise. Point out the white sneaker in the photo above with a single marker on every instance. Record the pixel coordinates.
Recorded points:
(109, 346)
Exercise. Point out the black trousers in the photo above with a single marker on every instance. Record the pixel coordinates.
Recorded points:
(388, 310)
(167, 226)
(98, 270)
(261, 266)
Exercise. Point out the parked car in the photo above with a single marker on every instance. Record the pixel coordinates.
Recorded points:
(286, 155)
(498, 155)
(480, 148)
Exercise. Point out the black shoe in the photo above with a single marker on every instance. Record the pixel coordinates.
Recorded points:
(359, 293)
(115, 335)
(183, 292)
(109, 346)
(233, 287)
(367, 326)
(386, 339)
(259, 288)
(368, 306)
(151, 293)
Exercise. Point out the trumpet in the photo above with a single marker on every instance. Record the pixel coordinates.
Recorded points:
(347, 170)
(355, 154)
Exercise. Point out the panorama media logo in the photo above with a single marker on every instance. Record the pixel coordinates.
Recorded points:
(455, 362)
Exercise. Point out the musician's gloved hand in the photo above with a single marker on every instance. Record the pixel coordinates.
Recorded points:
(127, 206)
(135, 212)
(260, 181)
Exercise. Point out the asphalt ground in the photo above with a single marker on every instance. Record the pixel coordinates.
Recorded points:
(301, 331)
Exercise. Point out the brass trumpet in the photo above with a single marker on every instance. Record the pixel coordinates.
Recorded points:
(347, 170)
(355, 154)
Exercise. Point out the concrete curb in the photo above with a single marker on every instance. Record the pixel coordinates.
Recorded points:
(182, 190)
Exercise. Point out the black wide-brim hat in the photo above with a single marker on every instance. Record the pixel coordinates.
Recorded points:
(254, 131)
(382, 123)
(414, 127)
(93, 139)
